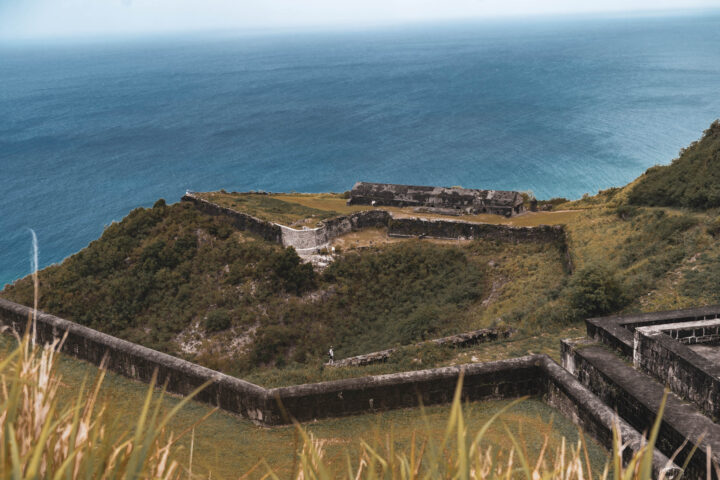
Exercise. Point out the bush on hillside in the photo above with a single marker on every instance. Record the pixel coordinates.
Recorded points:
(217, 320)
(692, 180)
(595, 291)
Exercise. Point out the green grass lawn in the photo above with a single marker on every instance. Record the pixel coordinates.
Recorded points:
(229, 446)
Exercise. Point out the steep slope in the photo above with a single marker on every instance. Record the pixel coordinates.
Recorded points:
(187, 283)
(692, 180)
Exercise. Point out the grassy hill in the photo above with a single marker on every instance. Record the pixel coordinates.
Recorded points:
(190, 284)
(175, 279)
(692, 180)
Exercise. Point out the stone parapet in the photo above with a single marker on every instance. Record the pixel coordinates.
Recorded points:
(529, 375)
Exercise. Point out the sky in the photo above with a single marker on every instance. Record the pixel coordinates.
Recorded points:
(66, 18)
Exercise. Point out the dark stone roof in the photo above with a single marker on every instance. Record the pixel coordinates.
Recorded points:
(418, 194)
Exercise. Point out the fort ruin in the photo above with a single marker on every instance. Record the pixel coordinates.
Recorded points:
(442, 200)
(614, 376)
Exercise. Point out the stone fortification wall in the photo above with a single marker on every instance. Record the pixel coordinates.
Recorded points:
(420, 227)
(530, 375)
(692, 333)
(575, 401)
(313, 239)
(638, 402)
(139, 363)
(308, 241)
(617, 331)
(338, 226)
(688, 374)
(242, 221)
(502, 379)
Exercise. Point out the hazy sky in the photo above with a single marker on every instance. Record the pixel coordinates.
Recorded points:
(37, 18)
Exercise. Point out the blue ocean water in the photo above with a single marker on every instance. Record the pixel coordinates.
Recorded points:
(88, 131)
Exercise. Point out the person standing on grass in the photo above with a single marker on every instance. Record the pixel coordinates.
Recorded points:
(331, 354)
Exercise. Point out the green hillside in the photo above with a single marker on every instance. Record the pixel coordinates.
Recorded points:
(190, 284)
(692, 180)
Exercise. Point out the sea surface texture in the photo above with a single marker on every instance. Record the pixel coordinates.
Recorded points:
(89, 131)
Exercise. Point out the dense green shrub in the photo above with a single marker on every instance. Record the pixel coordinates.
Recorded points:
(403, 293)
(627, 211)
(703, 281)
(713, 227)
(594, 291)
(151, 276)
(288, 272)
(692, 180)
(217, 320)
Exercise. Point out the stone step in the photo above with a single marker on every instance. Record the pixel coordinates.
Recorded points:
(637, 398)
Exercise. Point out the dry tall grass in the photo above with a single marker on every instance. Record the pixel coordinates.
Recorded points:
(462, 455)
(39, 438)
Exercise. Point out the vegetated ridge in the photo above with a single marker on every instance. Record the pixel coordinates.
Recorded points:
(692, 180)
(175, 279)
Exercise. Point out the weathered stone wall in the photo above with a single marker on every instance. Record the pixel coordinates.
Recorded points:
(695, 335)
(316, 238)
(688, 374)
(242, 221)
(501, 379)
(617, 331)
(139, 363)
(530, 375)
(357, 221)
(303, 240)
(575, 401)
(608, 331)
(304, 402)
(639, 406)
(313, 239)
(420, 227)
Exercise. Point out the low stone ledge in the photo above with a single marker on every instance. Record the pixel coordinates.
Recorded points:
(460, 340)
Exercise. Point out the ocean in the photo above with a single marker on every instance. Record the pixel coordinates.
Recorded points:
(90, 130)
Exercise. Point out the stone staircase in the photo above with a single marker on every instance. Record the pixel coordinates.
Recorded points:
(610, 363)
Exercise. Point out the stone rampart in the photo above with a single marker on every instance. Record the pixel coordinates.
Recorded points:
(453, 229)
(501, 379)
(242, 221)
(688, 374)
(617, 331)
(139, 363)
(568, 395)
(530, 375)
(637, 400)
(313, 239)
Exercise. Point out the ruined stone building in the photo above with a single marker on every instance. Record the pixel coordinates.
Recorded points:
(439, 199)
